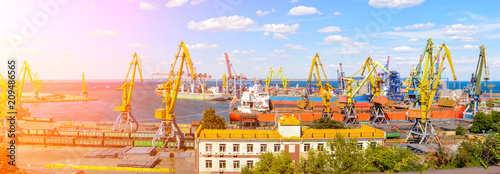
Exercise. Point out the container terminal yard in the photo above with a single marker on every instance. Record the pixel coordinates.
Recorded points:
(192, 94)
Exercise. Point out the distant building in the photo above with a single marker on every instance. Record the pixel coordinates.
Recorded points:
(229, 150)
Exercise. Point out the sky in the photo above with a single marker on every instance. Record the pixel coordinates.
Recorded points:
(60, 39)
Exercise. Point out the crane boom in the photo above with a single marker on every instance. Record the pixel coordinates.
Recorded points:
(270, 75)
(284, 80)
(229, 74)
(481, 64)
(324, 91)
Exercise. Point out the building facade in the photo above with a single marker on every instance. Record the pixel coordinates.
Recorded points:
(227, 151)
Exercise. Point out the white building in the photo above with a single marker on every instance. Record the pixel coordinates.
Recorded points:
(229, 150)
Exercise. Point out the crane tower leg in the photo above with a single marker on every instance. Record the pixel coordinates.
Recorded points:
(377, 114)
(170, 130)
(349, 115)
(423, 132)
(123, 120)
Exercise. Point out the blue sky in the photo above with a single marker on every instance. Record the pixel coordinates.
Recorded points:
(99, 38)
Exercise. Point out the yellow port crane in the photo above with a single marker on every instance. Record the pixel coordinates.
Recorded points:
(84, 86)
(24, 74)
(324, 90)
(125, 118)
(270, 75)
(423, 131)
(3, 97)
(284, 80)
(168, 127)
(473, 90)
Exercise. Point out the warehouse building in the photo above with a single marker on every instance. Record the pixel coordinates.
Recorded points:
(229, 150)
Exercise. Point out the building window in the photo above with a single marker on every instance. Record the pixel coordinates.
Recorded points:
(249, 147)
(208, 164)
(236, 164)
(222, 164)
(236, 148)
(321, 146)
(250, 163)
(222, 147)
(263, 148)
(360, 144)
(208, 147)
(277, 147)
(307, 147)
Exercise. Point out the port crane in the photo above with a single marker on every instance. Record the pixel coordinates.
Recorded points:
(84, 86)
(473, 89)
(168, 127)
(422, 130)
(270, 75)
(125, 118)
(25, 74)
(324, 90)
(349, 114)
(233, 77)
(284, 80)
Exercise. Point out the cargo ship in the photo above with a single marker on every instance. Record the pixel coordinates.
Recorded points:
(209, 94)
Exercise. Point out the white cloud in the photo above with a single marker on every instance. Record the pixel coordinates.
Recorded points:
(235, 52)
(413, 40)
(102, 33)
(273, 55)
(139, 46)
(394, 3)
(274, 10)
(285, 56)
(280, 28)
(463, 39)
(294, 1)
(427, 25)
(259, 59)
(279, 50)
(222, 23)
(465, 47)
(130, 0)
(265, 34)
(279, 36)
(196, 2)
(302, 10)
(404, 49)
(336, 13)
(329, 29)
(175, 3)
(349, 52)
(203, 46)
(262, 13)
(242, 52)
(332, 66)
(295, 47)
(460, 29)
(337, 39)
(146, 6)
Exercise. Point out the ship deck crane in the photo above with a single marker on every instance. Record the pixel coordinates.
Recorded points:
(84, 86)
(125, 118)
(270, 75)
(423, 131)
(474, 89)
(324, 90)
(168, 125)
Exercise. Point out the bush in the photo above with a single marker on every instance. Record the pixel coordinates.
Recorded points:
(326, 123)
(212, 121)
(460, 130)
(481, 122)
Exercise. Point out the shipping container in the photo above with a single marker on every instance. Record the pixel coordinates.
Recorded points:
(118, 142)
(146, 135)
(43, 119)
(147, 143)
(31, 140)
(67, 141)
(93, 134)
(117, 135)
(29, 118)
(171, 144)
(88, 142)
(392, 134)
(67, 133)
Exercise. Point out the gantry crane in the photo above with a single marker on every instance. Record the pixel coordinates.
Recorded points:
(423, 131)
(324, 90)
(474, 87)
(270, 75)
(284, 80)
(125, 118)
(168, 125)
(84, 86)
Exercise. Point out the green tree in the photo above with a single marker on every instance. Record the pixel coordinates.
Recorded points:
(246, 170)
(349, 157)
(481, 122)
(440, 159)
(460, 130)
(316, 162)
(495, 116)
(271, 163)
(326, 123)
(212, 121)
(383, 159)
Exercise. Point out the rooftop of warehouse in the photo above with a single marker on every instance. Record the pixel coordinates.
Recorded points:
(363, 132)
